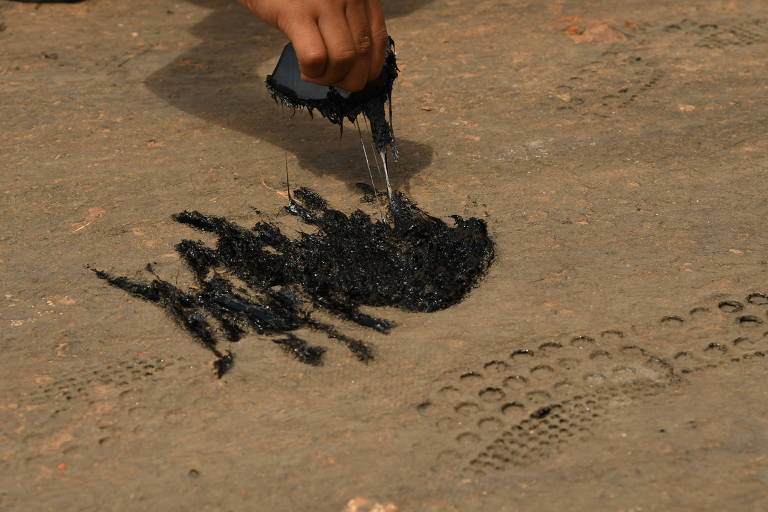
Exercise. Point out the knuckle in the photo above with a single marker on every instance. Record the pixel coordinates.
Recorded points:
(344, 57)
(380, 34)
(312, 69)
(284, 22)
(364, 43)
(314, 58)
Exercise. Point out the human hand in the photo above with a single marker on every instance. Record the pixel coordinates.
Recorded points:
(338, 42)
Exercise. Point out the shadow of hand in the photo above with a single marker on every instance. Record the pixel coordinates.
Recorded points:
(217, 81)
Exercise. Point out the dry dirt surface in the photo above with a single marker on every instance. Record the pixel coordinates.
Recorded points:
(612, 359)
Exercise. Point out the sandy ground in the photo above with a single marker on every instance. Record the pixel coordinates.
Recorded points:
(612, 360)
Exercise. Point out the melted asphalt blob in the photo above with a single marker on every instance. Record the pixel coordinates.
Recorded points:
(259, 280)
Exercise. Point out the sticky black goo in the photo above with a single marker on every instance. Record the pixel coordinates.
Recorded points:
(336, 105)
(259, 280)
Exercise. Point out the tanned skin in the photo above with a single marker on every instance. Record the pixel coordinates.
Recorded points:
(338, 42)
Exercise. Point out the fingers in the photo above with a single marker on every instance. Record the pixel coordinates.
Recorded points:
(360, 29)
(310, 49)
(343, 43)
(339, 45)
(379, 37)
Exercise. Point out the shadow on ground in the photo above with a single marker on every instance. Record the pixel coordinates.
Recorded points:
(222, 81)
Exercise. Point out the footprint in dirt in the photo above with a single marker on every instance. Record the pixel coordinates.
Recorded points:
(630, 71)
(84, 408)
(534, 402)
